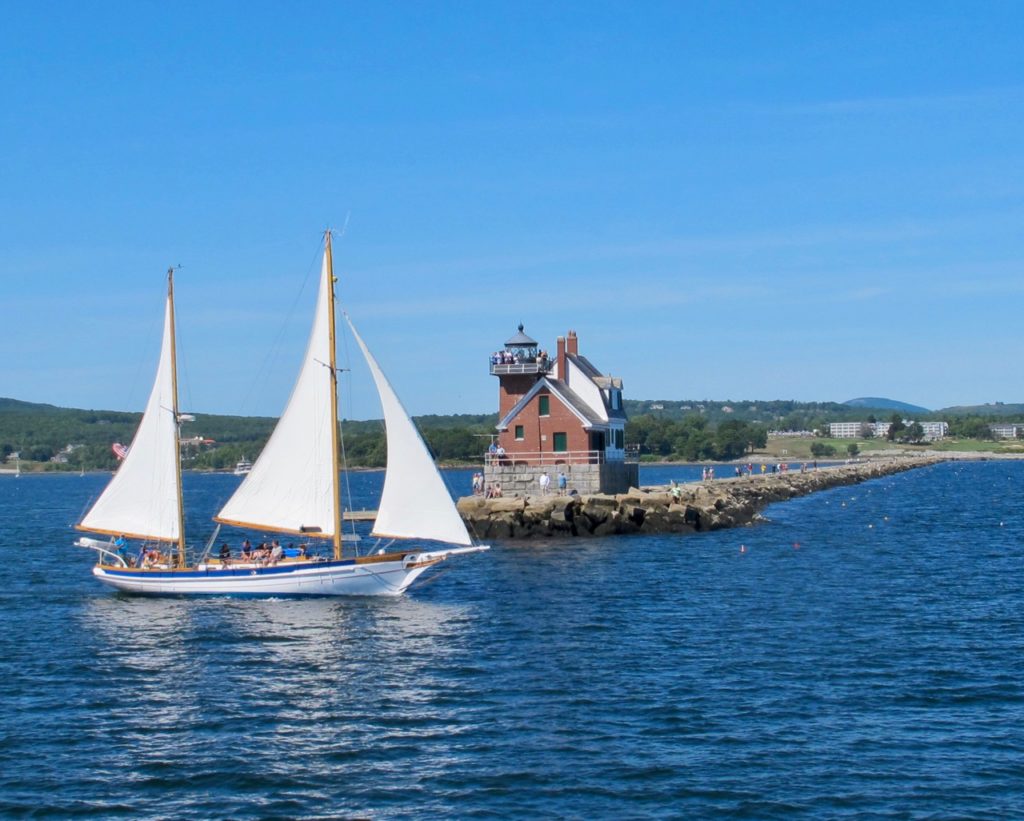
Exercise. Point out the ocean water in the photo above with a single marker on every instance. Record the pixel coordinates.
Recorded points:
(861, 654)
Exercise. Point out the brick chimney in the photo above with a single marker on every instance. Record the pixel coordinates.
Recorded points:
(572, 344)
(561, 357)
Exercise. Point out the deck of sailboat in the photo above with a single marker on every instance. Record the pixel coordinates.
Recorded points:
(215, 567)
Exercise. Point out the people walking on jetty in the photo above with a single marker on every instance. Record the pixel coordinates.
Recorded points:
(563, 482)
(545, 484)
(478, 484)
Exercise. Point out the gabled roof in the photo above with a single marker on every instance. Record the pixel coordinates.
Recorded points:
(602, 381)
(567, 395)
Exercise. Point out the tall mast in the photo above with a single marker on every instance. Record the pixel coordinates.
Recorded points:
(177, 425)
(336, 467)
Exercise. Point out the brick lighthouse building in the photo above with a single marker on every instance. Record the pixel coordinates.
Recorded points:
(558, 415)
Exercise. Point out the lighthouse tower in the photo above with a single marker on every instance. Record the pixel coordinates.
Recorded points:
(557, 415)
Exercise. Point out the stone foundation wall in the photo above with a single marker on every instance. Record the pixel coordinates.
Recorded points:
(699, 505)
(524, 480)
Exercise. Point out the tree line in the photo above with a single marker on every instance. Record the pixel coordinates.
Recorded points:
(40, 432)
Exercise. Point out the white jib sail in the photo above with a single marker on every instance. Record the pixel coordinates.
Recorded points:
(290, 487)
(142, 499)
(415, 502)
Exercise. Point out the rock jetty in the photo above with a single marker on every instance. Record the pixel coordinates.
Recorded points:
(700, 505)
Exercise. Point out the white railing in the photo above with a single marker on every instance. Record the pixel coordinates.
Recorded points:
(524, 368)
(540, 458)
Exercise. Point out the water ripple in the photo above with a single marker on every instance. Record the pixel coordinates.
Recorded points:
(862, 656)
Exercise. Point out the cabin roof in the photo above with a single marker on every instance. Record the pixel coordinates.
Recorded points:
(521, 340)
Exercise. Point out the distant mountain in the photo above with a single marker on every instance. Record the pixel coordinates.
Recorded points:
(878, 403)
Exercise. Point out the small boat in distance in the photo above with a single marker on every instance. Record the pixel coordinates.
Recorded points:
(293, 488)
(243, 467)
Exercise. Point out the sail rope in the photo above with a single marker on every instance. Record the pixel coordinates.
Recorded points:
(348, 484)
(275, 347)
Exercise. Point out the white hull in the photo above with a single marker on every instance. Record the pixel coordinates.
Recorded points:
(345, 578)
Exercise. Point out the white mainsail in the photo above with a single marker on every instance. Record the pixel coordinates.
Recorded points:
(415, 502)
(143, 499)
(291, 487)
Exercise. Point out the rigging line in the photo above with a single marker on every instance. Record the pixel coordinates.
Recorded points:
(141, 358)
(275, 345)
(348, 483)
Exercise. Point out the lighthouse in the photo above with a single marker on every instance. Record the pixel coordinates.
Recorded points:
(560, 416)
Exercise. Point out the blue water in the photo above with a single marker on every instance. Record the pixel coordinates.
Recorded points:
(859, 655)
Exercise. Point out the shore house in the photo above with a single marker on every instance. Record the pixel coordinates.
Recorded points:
(557, 415)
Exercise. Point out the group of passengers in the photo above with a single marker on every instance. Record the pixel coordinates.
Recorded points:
(148, 556)
(518, 358)
(265, 554)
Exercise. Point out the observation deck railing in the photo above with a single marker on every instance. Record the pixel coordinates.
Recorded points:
(525, 368)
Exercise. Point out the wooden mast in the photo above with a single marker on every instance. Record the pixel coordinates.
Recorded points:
(177, 424)
(336, 467)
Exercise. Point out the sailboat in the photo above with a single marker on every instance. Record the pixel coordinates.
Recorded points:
(293, 488)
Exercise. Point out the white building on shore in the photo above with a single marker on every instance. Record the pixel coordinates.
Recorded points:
(879, 430)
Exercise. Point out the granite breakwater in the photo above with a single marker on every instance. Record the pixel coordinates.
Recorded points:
(693, 507)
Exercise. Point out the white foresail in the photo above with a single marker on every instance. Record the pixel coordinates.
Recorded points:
(143, 499)
(290, 486)
(415, 502)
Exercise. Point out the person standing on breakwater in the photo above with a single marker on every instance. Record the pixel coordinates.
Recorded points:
(545, 484)
(562, 483)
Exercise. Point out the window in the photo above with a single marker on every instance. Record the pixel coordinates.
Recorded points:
(561, 444)
(519, 433)
(544, 405)
(619, 439)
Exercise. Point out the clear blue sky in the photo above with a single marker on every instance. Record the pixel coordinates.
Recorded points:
(726, 200)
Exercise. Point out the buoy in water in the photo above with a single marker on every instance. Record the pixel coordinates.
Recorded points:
(743, 548)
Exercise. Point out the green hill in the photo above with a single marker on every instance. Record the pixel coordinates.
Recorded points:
(878, 403)
(999, 409)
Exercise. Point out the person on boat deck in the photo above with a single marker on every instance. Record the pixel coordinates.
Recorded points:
(246, 550)
(276, 552)
(225, 553)
(121, 546)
